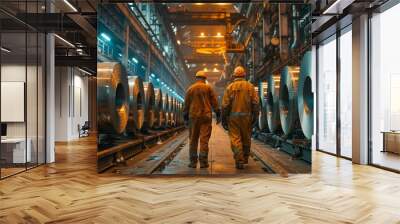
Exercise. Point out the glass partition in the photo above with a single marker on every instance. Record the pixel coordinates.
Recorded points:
(22, 77)
(385, 89)
(346, 93)
(327, 96)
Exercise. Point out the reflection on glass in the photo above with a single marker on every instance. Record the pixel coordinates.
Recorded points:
(346, 94)
(327, 96)
(15, 150)
(385, 83)
(22, 91)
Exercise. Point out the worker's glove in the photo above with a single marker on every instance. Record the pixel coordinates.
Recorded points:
(218, 115)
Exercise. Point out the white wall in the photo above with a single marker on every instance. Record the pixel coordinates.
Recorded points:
(33, 127)
(71, 102)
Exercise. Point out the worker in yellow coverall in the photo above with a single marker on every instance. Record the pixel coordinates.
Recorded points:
(240, 108)
(200, 101)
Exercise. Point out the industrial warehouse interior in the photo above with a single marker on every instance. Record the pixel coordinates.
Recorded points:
(97, 121)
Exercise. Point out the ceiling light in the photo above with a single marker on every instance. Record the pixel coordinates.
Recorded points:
(335, 7)
(105, 36)
(215, 70)
(64, 40)
(202, 34)
(84, 71)
(205, 69)
(5, 50)
(70, 5)
(179, 42)
(135, 60)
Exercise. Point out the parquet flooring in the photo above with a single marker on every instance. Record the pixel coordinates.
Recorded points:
(70, 191)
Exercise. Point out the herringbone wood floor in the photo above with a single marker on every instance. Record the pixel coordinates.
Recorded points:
(70, 191)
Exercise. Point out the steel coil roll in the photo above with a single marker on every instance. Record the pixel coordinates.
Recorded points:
(165, 121)
(173, 112)
(158, 107)
(112, 98)
(273, 119)
(288, 98)
(136, 104)
(149, 113)
(262, 118)
(305, 97)
(179, 114)
(170, 111)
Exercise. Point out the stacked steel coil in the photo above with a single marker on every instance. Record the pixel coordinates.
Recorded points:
(305, 97)
(149, 106)
(288, 99)
(136, 104)
(165, 122)
(262, 118)
(158, 108)
(170, 122)
(272, 105)
(112, 98)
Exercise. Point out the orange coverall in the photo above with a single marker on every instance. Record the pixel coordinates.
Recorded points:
(200, 100)
(240, 105)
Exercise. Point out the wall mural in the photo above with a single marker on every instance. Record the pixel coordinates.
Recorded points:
(204, 88)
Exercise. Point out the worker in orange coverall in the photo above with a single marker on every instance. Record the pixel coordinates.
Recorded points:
(240, 108)
(200, 101)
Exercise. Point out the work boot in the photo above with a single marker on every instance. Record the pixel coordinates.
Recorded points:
(239, 166)
(204, 164)
(192, 164)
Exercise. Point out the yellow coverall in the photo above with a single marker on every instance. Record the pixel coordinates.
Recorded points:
(240, 105)
(200, 100)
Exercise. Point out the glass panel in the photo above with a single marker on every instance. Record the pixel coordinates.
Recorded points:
(327, 96)
(346, 94)
(31, 98)
(385, 84)
(13, 86)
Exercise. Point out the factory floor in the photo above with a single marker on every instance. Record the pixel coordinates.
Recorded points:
(71, 191)
(220, 158)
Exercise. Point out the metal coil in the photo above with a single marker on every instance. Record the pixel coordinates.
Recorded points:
(288, 98)
(149, 113)
(112, 98)
(170, 111)
(262, 118)
(136, 104)
(173, 111)
(180, 113)
(165, 122)
(273, 119)
(305, 97)
(158, 108)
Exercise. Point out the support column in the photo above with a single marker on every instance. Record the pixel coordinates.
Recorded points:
(50, 98)
(360, 90)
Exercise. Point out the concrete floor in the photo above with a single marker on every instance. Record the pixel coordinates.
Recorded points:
(220, 158)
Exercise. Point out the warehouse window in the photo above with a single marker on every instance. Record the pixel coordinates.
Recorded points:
(327, 96)
(385, 89)
(346, 93)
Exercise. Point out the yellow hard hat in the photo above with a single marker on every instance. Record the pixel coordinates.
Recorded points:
(201, 74)
(239, 72)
